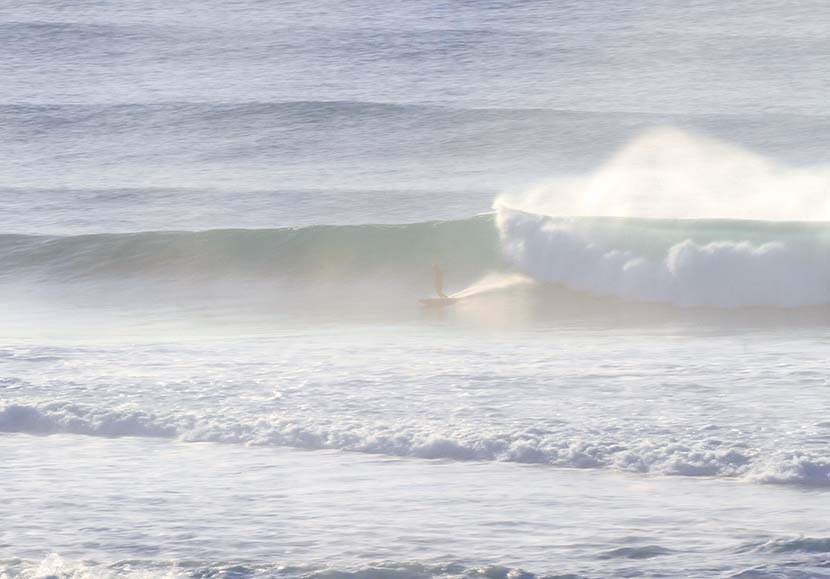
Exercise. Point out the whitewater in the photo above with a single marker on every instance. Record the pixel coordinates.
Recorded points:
(216, 222)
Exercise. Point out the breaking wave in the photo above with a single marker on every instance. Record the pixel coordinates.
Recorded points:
(716, 263)
(696, 457)
(688, 263)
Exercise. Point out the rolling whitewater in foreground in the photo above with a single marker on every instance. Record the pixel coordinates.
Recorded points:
(217, 222)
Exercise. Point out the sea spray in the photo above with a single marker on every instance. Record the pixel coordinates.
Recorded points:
(689, 221)
(492, 283)
(667, 173)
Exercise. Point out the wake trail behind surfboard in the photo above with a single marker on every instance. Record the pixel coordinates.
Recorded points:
(493, 282)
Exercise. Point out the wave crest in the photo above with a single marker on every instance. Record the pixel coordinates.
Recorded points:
(560, 448)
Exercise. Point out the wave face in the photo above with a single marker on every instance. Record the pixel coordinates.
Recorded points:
(718, 263)
(469, 246)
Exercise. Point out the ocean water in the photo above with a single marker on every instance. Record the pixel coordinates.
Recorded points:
(216, 222)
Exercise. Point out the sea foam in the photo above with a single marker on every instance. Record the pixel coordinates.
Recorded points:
(627, 452)
(641, 261)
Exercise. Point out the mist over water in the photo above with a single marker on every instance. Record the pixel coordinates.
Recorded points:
(217, 220)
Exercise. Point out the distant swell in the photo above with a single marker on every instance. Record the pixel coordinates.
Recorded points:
(705, 457)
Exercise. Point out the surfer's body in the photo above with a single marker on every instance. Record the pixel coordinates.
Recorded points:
(438, 281)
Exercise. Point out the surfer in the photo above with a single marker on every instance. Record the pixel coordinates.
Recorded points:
(438, 280)
(438, 283)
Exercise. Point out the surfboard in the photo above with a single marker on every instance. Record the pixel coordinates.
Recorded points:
(437, 302)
